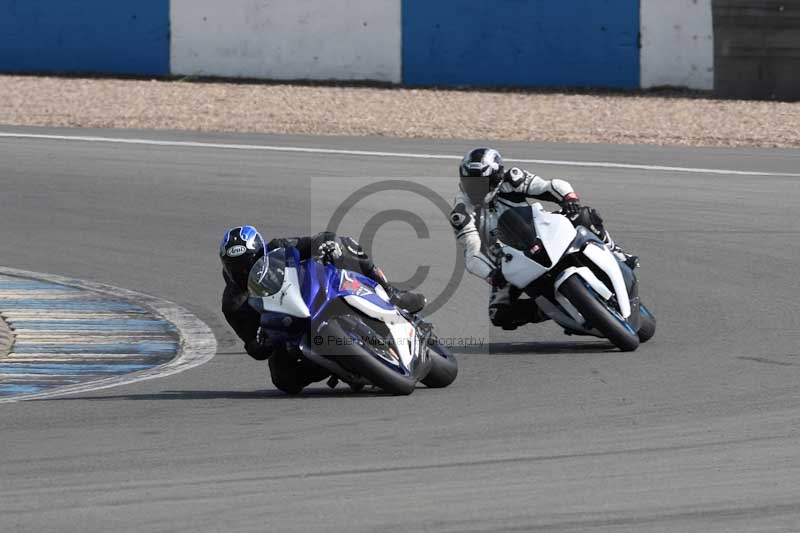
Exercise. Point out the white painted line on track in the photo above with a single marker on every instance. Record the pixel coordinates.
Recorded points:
(334, 151)
(197, 343)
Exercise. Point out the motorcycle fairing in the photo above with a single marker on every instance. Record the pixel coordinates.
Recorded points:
(349, 282)
(582, 237)
(315, 286)
(274, 285)
(281, 294)
(601, 256)
(619, 274)
(362, 293)
(369, 298)
(555, 230)
(357, 286)
(365, 306)
(406, 341)
(325, 283)
(519, 267)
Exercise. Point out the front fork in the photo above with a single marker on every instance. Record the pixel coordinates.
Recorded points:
(632, 284)
(603, 273)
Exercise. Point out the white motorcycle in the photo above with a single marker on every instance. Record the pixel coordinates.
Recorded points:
(571, 275)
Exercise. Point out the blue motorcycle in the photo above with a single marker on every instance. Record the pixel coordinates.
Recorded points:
(343, 321)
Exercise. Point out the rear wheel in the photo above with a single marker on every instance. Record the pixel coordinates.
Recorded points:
(444, 367)
(648, 327)
(363, 359)
(599, 314)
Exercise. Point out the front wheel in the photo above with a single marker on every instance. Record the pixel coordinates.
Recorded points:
(648, 324)
(444, 367)
(359, 359)
(599, 315)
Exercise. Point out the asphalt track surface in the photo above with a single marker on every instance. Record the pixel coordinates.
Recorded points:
(698, 430)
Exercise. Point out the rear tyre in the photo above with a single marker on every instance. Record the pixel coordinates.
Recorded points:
(360, 359)
(599, 315)
(648, 324)
(444, 367)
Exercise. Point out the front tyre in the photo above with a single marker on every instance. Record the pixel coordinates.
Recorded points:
(359, 359)
(599, 315)
(444, 367)
(648, 324)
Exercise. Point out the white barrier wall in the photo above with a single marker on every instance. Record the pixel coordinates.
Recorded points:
(287, 39)
(677, 44)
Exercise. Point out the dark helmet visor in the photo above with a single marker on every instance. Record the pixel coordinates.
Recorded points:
(476, 188)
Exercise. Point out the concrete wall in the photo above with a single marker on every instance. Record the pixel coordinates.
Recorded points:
(589, 43)
(677, 44)
(287, 39)
(532, 43)
(85, 36)
(757, 52)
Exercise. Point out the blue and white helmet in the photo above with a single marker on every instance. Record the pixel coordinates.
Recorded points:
(480, 170)
(239, 250)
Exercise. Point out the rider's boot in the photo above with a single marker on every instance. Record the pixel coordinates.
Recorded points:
(527, 311)
(629, 259)
(412, 302)
(520, 312)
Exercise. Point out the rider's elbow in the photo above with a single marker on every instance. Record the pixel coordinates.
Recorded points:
(479, 266)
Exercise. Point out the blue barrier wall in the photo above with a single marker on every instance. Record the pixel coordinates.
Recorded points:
(87, 36)
(576, 43)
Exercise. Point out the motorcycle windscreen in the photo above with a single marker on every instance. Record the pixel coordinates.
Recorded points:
(267, 275)
(515, 228)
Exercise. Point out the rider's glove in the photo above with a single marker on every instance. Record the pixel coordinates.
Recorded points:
(259, 348)
(496, 279)
(330, 251)
(570, 205)
(495, 251)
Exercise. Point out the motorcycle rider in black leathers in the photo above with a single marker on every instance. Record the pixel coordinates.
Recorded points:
(482, 170)
(239, 250)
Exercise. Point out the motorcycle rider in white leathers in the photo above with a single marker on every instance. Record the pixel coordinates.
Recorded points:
(481, 170)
